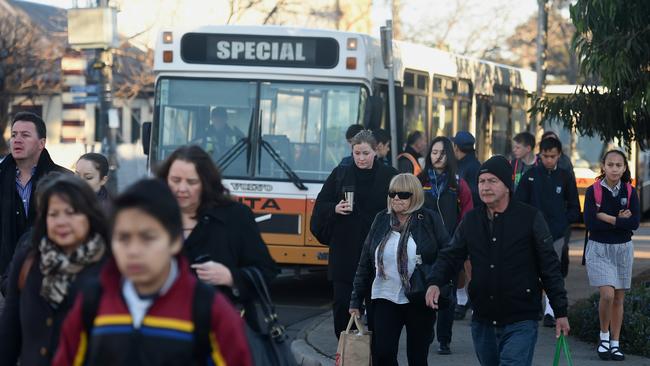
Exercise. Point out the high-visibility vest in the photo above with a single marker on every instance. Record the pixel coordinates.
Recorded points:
(417, 169)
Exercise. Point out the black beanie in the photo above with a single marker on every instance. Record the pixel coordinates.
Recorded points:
(499, 166)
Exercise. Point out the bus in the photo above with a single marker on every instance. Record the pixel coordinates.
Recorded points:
(271, 104)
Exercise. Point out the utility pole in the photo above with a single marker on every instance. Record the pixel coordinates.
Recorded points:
(108, 126)
(387, 56)
(542, 44)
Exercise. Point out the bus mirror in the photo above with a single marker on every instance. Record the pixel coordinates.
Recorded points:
(146, 137)
(373, 112)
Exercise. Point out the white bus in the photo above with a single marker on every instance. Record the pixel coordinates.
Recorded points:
(272, 104)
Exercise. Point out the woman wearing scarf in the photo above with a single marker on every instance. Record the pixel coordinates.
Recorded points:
(450, 197)
(401, 237)
(68, 246)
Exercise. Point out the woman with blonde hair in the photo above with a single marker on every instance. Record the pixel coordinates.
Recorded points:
(402, 238)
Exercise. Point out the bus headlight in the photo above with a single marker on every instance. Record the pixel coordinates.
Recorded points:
(167, 37)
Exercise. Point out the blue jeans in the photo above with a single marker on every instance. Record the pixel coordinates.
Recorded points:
(507, 345)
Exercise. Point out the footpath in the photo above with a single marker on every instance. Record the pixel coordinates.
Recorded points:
(316, 345)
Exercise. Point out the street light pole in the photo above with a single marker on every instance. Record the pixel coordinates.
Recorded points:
(387, 56)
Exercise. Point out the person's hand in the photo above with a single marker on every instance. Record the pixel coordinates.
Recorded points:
(562, 326)
(214, 273)
(343, 208)
(355, 312)
(433, 293)
(625, 214)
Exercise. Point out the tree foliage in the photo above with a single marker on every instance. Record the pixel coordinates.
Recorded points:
(612, 41)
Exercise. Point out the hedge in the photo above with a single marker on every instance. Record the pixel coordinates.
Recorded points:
(635, 334)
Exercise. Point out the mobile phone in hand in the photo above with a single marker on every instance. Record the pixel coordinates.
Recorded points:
(203, 258)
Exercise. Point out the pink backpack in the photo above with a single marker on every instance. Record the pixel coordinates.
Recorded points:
(598, 193)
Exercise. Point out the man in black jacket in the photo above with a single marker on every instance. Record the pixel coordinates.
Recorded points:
(511, 252)
(19, 174)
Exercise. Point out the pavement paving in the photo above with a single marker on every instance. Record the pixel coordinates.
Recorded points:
(315, 344)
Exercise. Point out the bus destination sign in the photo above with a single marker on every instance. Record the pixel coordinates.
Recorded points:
(249, 50)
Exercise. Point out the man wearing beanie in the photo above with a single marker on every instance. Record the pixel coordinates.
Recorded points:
(511, 251)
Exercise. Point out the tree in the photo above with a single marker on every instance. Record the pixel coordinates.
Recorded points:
(562, 64)
(29, 64)
(612, 41)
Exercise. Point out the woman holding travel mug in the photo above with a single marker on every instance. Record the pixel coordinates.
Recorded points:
(403, 236)
(348, 221)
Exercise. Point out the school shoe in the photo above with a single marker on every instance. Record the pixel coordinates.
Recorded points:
(443, 348)
(603, 350)
(459, 312)
(549, 321)
(615, 354)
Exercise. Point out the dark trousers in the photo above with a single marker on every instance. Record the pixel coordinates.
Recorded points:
(508, 345)
(445, 320)
(341, 305)
(389, 319)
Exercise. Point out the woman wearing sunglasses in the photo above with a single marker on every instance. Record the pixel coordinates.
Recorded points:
(350, 198)
(402, 236)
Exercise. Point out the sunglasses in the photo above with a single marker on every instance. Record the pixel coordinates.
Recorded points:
(400, 195)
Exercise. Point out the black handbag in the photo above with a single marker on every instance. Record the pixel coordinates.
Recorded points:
(270, 346)
(419, 285)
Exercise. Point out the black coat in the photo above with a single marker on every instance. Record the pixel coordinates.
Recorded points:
(512, 261)
(230, 236)
(13, 221)
(429, 235)
(468, 168)
(29, 326)
(349, 231)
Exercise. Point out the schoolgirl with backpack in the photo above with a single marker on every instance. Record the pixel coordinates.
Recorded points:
(611, 215)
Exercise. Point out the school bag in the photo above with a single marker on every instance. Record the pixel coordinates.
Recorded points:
(598, 199)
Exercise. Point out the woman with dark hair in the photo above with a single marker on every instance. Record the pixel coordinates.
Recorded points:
(221, 235)
(450, 197)
(347, 204)
(611, 216)
(69, 244)
(147, 307)
(93, 168)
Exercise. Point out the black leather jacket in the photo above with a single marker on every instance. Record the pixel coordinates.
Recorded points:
(428, 232)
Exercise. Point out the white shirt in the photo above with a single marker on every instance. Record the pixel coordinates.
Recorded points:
(391, 287)
(614, 190)
(138, 306)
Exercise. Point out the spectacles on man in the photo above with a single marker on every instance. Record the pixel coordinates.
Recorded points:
(400, 195)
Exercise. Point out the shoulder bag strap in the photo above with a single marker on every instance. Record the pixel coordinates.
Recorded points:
(202, 319)
(25, 268)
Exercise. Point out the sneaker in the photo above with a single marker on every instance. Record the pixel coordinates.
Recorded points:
(604, 351)
(459, 312)
(615, 354)
(443, 348)
(549, 321)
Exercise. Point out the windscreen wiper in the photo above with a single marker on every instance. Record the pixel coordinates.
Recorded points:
(295, 179)
(226, 159)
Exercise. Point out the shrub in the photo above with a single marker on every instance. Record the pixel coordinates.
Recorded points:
(635, 333)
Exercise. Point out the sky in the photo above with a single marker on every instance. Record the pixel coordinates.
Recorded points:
(427, 15)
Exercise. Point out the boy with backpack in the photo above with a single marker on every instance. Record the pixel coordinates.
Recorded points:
(146, 307)
(553, 191)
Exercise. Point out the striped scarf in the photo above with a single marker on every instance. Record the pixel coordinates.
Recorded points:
(60, 269)
(402, 254)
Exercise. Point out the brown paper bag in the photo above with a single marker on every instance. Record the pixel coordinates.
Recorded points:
(354, 345)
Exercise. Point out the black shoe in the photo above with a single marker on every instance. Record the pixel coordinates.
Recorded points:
(443, 349)
(615, 354)
(549, 321)
(604, 355)
(459, 312)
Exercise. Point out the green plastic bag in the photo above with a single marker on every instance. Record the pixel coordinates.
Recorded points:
(562, 345)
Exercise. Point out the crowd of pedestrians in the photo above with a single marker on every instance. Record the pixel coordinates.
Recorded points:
(492, 237)
(157, 274)
(152, 276)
